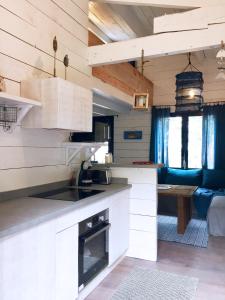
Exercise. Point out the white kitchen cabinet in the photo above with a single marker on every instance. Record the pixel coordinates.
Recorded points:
(143, 245)
(119, 219)
(67, 264)
(41, 263)
(142, 211)
(143, 207)
(142, 223)
(65, 105)
(27, 264)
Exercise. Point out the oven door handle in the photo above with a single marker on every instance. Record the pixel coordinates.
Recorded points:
(106, 227)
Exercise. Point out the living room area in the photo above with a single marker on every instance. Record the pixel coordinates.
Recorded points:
(192, 181)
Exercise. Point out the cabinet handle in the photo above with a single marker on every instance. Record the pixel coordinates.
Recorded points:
(104, 133)
(109, 137)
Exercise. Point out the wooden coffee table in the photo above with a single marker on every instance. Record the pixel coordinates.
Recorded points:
(183, 194)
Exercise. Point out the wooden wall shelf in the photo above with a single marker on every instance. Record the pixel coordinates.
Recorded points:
(73, 149)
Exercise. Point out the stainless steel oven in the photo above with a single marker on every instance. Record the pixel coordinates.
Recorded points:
(93, 247)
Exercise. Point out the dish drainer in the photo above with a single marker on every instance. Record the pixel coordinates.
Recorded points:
(8, 116)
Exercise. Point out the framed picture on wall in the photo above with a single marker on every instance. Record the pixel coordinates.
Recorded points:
(141, 101)
(132, 135)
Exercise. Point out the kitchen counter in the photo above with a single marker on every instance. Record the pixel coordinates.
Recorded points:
(39, 243)
(20, 214)
(135, 166)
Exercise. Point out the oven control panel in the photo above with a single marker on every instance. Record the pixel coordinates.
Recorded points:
(93, 221)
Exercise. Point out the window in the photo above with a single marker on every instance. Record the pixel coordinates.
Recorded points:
(195, 142)
(175, 142)
(185, 142)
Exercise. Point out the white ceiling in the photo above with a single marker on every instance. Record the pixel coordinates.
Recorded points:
(122, 22)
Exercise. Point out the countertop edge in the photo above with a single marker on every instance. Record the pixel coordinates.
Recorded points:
(134, 166)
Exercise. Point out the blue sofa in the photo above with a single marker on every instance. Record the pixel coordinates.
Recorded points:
(210, 183)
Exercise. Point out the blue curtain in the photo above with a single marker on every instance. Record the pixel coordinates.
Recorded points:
(213, 151)
(159, 135)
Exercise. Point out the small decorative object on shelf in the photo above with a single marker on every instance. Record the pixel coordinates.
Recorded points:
(66, 64)
(108, 158)
(2, 84)
(141, 101)
(55, 48)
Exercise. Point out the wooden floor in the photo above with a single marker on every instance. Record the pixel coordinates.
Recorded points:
(206, 264)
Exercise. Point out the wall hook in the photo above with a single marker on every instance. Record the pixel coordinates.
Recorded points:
(55, 48)
(66, 64)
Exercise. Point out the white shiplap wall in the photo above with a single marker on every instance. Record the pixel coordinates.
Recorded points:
(27, 28)
(127, 151)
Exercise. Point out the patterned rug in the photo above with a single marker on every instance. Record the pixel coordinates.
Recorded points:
(143, 284)
(195, 235)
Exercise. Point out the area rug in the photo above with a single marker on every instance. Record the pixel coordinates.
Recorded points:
(195, 235)
(143, 284)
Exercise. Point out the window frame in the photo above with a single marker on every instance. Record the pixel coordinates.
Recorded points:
(184, 135)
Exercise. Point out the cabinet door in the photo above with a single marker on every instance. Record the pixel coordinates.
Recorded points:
(75, 108)
(67, 264)
(27, 265)
(69, 108)
(119, 231)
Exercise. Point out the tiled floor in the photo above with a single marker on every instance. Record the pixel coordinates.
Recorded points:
(206, 264)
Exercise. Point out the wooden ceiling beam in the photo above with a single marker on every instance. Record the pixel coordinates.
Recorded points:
(158, 45)
(183, 4)
(195, 19)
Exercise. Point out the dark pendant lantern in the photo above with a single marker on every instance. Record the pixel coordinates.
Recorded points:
(189, 87)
